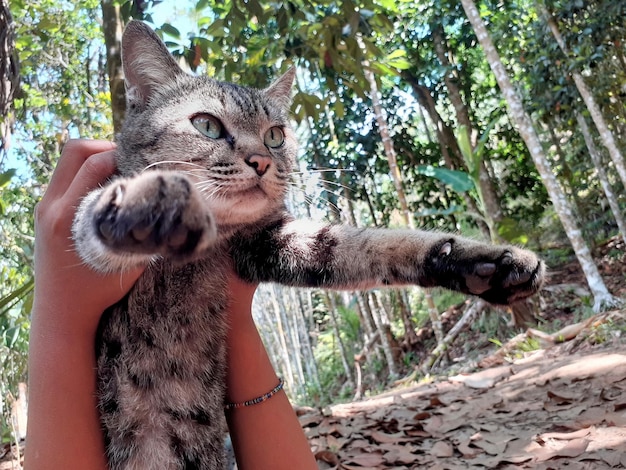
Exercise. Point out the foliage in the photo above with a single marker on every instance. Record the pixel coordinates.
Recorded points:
(63, 94)
(425, 59)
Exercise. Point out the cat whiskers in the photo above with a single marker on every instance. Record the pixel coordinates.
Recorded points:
(174, 163)
(204, 180)
(301, 175)
(322, 170)
(330, 187)
(212, 189)
(310, 199)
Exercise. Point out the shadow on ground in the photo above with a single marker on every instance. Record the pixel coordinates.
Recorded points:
(549, 410)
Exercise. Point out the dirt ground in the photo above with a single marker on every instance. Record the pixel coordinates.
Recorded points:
(549, 410)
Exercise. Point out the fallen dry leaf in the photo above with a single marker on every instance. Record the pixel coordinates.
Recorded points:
(567, 435)
(365, 459)
(572, 448)
(562, 396)
(400, 455)
(484, 379)
(540, 416)
(466, 449)
(327, 456)
(383, 438)
(442, 449)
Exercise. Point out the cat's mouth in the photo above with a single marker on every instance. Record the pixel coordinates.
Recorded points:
(240, 205)
(252, 191)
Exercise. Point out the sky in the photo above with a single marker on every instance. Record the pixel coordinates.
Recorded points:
(176, 13)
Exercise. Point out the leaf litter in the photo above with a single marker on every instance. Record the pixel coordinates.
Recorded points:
(550, 410)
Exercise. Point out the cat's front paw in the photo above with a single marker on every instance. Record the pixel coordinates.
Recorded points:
(499, 274)
(154, 213)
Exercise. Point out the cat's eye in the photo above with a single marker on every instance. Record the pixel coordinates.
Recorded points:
(274, 137)
(208, 125)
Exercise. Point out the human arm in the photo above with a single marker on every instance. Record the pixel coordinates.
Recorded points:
(63, 425)
(268, 435)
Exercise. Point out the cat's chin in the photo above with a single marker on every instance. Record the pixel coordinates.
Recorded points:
(245, 207)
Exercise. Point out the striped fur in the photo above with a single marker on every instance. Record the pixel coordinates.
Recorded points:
(191, 207)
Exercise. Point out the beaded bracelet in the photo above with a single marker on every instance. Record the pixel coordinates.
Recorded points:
(257, 400)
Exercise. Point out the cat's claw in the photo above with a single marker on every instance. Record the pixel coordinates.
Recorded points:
(154, 213)
(498, 274)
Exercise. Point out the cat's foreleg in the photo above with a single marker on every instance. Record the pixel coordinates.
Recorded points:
(342, 257)
(132, 221)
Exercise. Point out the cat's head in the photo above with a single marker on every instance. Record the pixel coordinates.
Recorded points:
(235, 143)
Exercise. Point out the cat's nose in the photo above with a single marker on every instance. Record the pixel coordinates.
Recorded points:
(259, 162)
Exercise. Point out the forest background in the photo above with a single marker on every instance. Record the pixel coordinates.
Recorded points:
(407, 115)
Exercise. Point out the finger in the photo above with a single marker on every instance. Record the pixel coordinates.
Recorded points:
(95, 171)
(73, 156)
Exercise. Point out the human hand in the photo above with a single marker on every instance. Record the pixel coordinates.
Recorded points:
(65, 288)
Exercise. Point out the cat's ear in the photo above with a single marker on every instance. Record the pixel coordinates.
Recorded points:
(280, 89)
(146, 62)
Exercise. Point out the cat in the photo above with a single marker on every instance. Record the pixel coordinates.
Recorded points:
(203, 172)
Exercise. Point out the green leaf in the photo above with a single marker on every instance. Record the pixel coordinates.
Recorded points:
(5, 177)
(396, 54)
(400, 64)
(480, 147)
(458, 181)
(464, 144)
(9, 300)
(11, 335)
(216, 29)
(383, 68)
(201, 5)
(27, 305)
(389, 5)
(170, 30)
(255, 8)
(439, 212)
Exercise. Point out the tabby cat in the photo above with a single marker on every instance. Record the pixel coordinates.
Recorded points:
(204, 167)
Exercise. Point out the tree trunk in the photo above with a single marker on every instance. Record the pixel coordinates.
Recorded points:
(9, 75)
(445, 136)
(287, 304)
(267, 322)
(112, 27)
(492, 211)
(282, 337)
(335, 213)
(343, 352)
(468, 317)
(602, 296)
(390, 152)
(405, 314)
(448, 145)
(375, 308)
(604, 180)
(370, 206)
(367, 318)
(303, 329)
(596, 115)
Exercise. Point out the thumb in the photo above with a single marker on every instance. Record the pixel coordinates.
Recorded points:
(96, 169)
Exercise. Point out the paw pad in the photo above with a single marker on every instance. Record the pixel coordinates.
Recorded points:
(485, 269)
